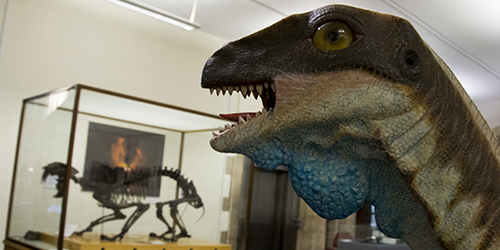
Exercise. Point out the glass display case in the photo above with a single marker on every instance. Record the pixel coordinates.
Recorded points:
(96, 169)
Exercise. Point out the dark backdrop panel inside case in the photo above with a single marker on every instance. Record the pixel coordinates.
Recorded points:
(98, 157)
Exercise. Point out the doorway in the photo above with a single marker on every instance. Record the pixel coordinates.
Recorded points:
(273, 221)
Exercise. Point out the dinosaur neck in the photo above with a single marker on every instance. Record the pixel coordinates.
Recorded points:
(448, 159)
(337, 181)
(398, 211)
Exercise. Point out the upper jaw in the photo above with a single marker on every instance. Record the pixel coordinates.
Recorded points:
(223, 75)
(266, 91)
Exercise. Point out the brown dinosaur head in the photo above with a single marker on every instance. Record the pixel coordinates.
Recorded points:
(303, 63)
(332, 38)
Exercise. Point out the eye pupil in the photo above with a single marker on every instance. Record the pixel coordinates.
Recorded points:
(410, 61)
(333, 36)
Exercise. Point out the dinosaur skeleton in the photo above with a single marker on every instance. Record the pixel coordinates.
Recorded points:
(116, 194)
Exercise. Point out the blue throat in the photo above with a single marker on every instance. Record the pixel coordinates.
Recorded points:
(336, 182)
(333, 186)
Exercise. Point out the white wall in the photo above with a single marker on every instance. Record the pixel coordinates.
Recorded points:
(489, 110)
(53, 43)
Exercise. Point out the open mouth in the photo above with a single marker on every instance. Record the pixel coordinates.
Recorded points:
(266, 92)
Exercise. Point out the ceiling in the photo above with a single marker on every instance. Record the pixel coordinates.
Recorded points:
(464, 33)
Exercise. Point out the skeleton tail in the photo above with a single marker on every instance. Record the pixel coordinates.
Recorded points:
(202, 214)
(187, 186)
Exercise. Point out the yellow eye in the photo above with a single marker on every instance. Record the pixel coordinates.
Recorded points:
(333, 35)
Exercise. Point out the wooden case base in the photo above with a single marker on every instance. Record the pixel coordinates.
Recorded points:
(132, 242)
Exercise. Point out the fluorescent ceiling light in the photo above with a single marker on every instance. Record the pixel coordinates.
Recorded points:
(159, 14)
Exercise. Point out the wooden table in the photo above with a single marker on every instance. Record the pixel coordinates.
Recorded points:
(131, 242)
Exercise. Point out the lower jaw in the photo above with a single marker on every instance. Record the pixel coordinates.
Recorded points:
(235, 116)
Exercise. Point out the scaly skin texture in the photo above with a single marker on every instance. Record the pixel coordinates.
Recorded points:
(382, 121)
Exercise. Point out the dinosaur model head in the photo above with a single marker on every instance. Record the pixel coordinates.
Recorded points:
(59, 169)
(333, 65)
(360, 109)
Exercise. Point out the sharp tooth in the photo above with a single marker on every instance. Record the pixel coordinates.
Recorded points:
(221, 129)
(244, 90)
(273, 86)
(255, 94)
(259, 89)
(227, 126)
(251, 87)
(211, 90)
(218, 91)
(230, 89)
(257, 114)
(224, 88)
(266, 85)
(241, 120)
(213, 133)
(249, 117)
(264, 110)
(237, 88)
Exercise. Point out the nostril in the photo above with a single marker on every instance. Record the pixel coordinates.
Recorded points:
(410, 61)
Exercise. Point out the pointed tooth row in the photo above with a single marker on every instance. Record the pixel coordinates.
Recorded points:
(241, 120)
(255, 94)
(259, 89)
(244, 91)
(256, 90)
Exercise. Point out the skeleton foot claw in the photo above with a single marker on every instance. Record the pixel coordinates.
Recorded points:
(117, 237)
(80, 233)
